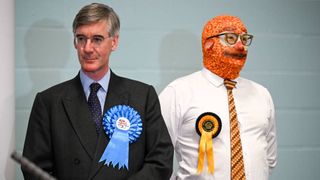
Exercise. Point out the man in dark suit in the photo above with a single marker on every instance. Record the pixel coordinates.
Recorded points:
(115, 131)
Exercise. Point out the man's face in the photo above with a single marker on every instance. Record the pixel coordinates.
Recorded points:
(223, 50)
(94, 47)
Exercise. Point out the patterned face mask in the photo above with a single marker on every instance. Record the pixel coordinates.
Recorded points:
(219, 55)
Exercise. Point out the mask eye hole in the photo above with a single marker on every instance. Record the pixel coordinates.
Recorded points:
(246, 39)
(231, 38)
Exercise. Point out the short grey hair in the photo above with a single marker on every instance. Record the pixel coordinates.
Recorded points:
(96, 12)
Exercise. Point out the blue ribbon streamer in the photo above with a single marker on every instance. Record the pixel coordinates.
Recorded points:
(117, 150)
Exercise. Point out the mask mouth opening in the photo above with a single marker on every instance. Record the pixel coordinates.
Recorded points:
(235, 55)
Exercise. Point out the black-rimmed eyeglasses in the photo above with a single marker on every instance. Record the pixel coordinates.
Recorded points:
(232, 38)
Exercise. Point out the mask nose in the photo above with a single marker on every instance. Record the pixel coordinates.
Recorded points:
(239, 46)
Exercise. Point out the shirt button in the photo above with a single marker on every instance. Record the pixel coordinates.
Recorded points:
(76, 161)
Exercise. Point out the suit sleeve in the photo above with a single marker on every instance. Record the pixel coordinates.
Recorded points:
(37, 147)
(158, 161)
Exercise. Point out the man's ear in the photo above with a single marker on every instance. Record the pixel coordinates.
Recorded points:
(74, 43)
(115, 42)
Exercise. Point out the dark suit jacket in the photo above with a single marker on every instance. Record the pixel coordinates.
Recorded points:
(61, 137)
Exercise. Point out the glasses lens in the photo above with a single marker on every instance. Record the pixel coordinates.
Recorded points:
(231, 38)
(246, 39)
(81, 40)
(97, 40)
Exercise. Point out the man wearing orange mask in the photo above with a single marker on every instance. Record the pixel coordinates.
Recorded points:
(221, 125)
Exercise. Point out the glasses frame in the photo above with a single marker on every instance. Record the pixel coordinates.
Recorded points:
(237, 35)
(95, 40)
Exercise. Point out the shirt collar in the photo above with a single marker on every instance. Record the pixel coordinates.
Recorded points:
(86, 81)
(215, 79)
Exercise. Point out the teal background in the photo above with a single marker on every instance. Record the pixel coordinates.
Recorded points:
(160, 41)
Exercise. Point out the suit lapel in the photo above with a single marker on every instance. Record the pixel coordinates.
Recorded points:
(77, 109)
(116, 95)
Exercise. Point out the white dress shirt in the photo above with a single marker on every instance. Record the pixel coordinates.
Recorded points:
(186, 98)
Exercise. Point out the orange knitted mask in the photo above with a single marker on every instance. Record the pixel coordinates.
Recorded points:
(220, 58)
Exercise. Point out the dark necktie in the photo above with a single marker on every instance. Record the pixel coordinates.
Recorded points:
(237, 165)
(94, 105)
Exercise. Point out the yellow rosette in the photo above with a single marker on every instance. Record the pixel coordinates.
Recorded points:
(208, 126)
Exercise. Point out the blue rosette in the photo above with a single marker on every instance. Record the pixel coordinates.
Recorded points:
(123, 125)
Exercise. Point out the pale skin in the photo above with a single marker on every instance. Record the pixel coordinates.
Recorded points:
(94, 61)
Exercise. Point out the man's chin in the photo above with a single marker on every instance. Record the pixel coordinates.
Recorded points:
(90, 68)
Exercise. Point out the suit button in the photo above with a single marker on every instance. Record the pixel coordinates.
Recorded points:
(76, 161)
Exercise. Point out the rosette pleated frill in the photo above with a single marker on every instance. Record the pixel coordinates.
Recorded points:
(123, 125)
